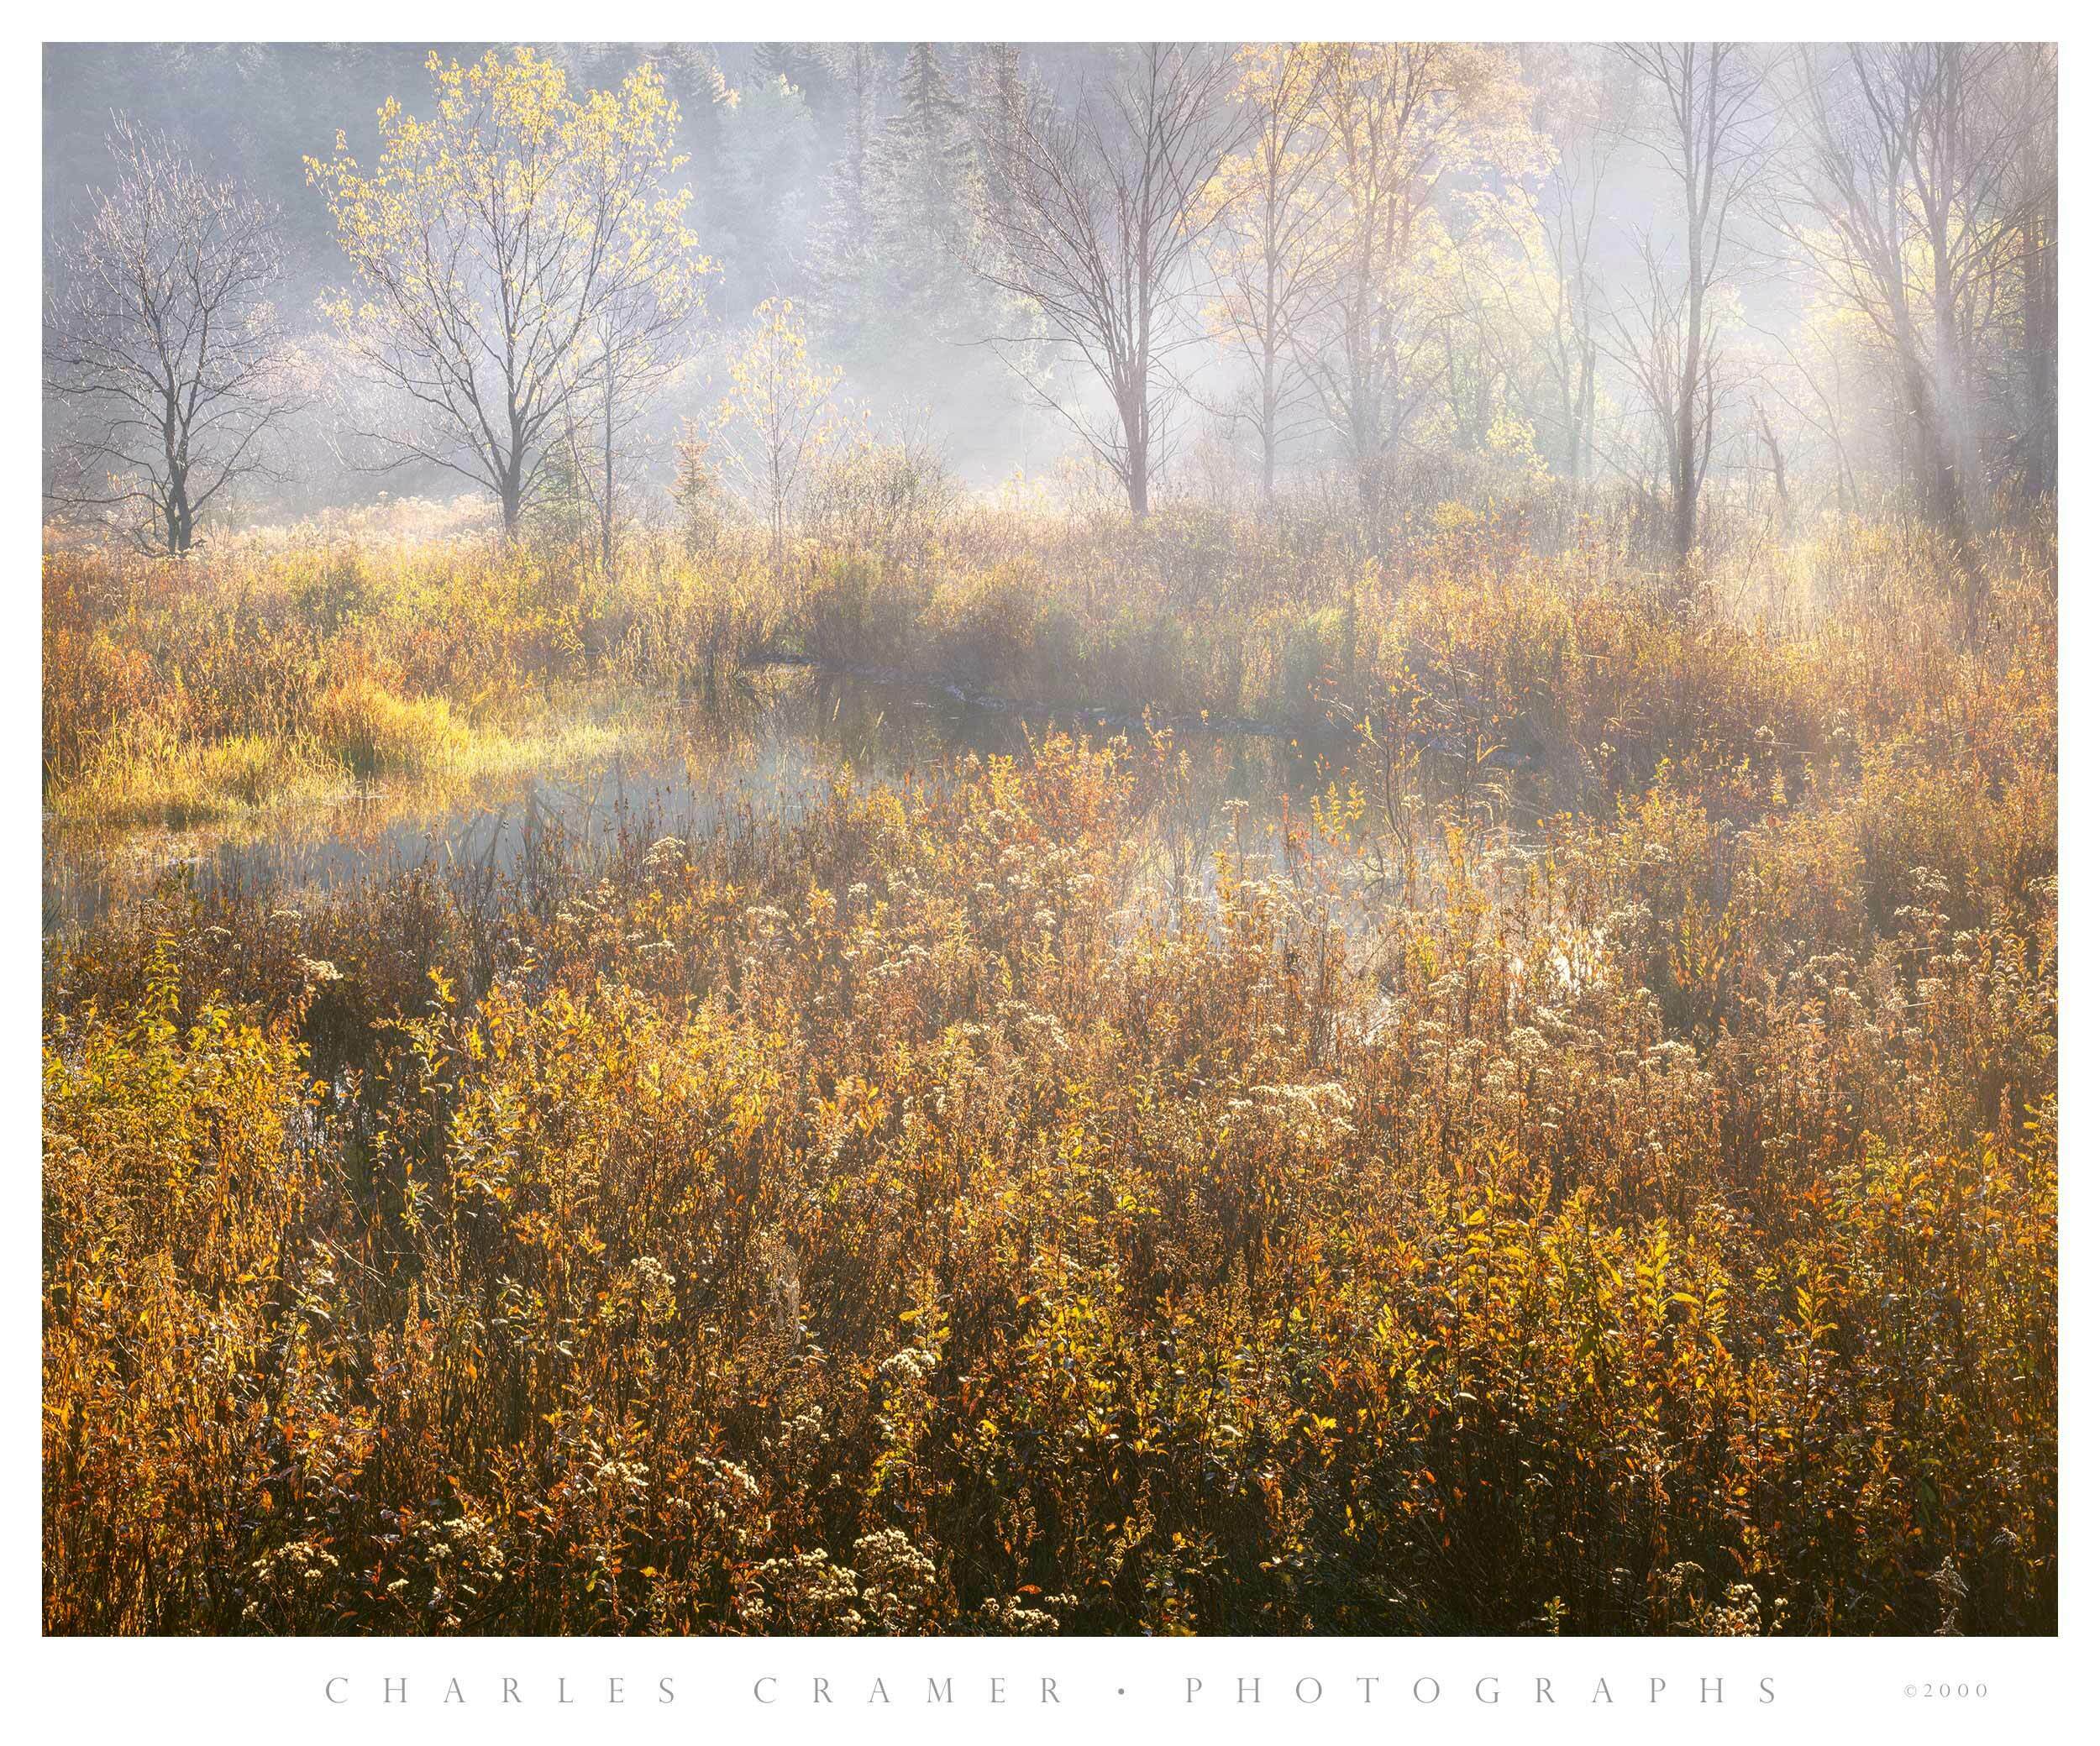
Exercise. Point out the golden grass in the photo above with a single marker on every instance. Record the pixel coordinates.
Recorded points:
(920, 1216)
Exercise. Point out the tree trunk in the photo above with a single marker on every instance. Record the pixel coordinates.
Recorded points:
(180, 520)
(1783, 513)
(1136, 456)
(179, 527)
(175, 447)
(1269, 396)
(2038, 274)
(1139, 489)
(605, 502)
(1684, 464)
(1952, 392)
(512, 473)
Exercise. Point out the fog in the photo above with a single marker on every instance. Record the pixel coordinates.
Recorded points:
(1785, 280)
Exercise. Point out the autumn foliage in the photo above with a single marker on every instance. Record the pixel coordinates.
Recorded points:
(922, 1215)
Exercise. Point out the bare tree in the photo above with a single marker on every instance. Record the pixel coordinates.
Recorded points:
(633, 343)
(1816, 393)
(2030, 96)
(1400, 118)
(1903, 163)
(1271, 247)
(1776, 464)
(1712, 140)
(1586, 128)
(1092, 217)
(162, 344)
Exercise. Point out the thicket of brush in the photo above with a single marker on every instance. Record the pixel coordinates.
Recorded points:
(266, 670)
(924, 1215)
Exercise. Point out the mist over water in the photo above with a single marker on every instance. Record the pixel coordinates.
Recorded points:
(686, 773)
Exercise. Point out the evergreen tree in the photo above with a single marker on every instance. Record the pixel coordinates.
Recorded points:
(922, 160)
(807, 66)
(760, 201)
(921, 198)
(999, 93)
(843, 260)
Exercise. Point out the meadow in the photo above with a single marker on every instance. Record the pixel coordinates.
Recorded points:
(1592, 1168)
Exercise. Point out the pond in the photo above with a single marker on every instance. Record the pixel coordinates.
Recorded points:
(688, 771)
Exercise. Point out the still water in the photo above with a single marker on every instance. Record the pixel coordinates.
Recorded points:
(691, 772)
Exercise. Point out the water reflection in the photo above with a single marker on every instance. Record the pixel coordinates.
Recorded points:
(692, 772)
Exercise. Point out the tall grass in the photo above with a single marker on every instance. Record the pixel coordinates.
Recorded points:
(920, 1214)
(276, 671)
(334, 661)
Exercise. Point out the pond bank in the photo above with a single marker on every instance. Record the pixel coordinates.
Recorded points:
(672, 767)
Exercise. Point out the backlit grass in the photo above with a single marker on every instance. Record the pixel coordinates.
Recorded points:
(1010, 1203)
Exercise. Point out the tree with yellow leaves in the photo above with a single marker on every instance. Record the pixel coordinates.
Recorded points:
(519, 250)
(1405, 122)
(780, 417)
(1273, 239)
